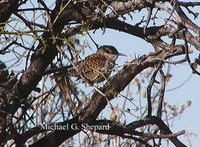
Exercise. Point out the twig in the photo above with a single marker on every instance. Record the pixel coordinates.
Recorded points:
(149, 87)
(162, 92)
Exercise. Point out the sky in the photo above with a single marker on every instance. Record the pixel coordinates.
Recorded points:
(179, 90)
(189, 91)
(183, 86)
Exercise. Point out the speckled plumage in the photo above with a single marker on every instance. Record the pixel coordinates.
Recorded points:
(96, 67)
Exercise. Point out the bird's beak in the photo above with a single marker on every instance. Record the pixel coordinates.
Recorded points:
(121, 54)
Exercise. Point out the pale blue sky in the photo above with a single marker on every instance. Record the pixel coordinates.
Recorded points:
(132, 46)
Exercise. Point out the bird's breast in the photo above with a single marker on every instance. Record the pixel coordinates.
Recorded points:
(94, 67)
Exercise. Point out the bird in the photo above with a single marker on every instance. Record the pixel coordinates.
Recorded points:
(96, 67)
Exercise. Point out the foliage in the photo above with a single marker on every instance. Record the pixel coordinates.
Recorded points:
(40, 39)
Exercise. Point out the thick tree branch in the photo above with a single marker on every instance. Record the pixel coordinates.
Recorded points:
(117, 84)
(7, 8)
(44, 54)
(120, 8)
(185, 20)
(46, 51)
(152, 35)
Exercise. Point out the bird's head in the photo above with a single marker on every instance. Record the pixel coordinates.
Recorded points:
(110, 52)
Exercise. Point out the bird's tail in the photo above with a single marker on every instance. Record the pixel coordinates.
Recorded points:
(63, 83)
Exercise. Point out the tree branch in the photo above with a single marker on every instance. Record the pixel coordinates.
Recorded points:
(7, 8)
(117, 83)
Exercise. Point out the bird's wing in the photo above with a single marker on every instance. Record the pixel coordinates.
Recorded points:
(90, 68)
